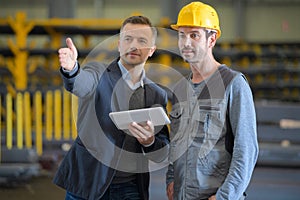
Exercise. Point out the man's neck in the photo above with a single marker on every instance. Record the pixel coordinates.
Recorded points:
(135, 75)
(203, 71)
(135, 72)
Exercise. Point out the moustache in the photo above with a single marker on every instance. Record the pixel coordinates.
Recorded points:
(187, 49)
(132, 50)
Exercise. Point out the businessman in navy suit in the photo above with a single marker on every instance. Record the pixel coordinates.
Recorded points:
(105, 162)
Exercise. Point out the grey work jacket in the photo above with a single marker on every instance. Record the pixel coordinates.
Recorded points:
(201, 137)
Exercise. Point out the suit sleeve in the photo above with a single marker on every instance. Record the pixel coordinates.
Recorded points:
(82, 81)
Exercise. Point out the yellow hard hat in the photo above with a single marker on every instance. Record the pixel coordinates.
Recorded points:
(198, 14)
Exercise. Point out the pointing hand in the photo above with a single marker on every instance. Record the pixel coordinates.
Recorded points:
(68, 55)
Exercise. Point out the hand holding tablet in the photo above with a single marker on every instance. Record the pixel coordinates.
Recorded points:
(156, 115)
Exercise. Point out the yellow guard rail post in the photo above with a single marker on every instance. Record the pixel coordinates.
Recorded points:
(18, 64)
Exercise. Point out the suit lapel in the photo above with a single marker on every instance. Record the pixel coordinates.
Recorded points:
(118, 96)
(114, 72)
(115, 76)
(149, 93)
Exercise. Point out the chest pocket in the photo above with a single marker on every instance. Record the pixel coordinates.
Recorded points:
(211, 122)
(210, 117)
(176, 115)
(179, 130)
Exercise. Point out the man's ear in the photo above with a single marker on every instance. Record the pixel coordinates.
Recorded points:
(152, 50)
(212, 40)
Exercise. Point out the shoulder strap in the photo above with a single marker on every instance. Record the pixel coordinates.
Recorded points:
(215, 88)
(216, 85)
(229, 137)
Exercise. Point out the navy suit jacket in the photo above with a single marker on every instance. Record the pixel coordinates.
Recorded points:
(89, 166)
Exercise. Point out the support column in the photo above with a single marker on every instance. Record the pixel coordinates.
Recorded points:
(99, 5)
(171, 8)
(59, 9)
(62, 9)
(240, 17)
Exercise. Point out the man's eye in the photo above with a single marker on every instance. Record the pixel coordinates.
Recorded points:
(127, 39)
(195, 36)
(143, 41)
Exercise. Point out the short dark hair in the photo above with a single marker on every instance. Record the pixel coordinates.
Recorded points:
(140, 20)
(208, 33)
(137, 20)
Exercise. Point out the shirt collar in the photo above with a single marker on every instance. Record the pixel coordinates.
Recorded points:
(127, 78)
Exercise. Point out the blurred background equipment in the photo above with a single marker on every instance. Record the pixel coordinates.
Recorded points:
(260, 38)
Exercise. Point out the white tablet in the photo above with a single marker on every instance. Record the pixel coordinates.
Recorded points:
(156, 115)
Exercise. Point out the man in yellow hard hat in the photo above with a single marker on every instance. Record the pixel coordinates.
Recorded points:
(214, 147)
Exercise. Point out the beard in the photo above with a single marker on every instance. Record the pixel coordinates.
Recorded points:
(188, 54)
(191, 55)
(189, 59)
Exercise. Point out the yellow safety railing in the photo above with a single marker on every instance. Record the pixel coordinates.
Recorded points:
(30, 120)
(27, 120)
(38, 122)
(0, 129)
(19, 120)
(9, 121)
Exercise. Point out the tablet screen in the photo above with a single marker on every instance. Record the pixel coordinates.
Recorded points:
(123, 118)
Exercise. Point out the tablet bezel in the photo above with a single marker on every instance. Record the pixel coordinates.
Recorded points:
(156, 115)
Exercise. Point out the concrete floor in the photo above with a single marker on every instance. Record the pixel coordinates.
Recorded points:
(267, 183)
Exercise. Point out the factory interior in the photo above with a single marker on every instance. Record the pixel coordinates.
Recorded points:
(260, 38)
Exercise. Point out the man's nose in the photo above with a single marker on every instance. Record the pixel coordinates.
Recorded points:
(134, 45)
(187, 42)
(133, 48)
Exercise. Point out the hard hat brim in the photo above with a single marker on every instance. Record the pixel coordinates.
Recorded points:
(174, 26)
